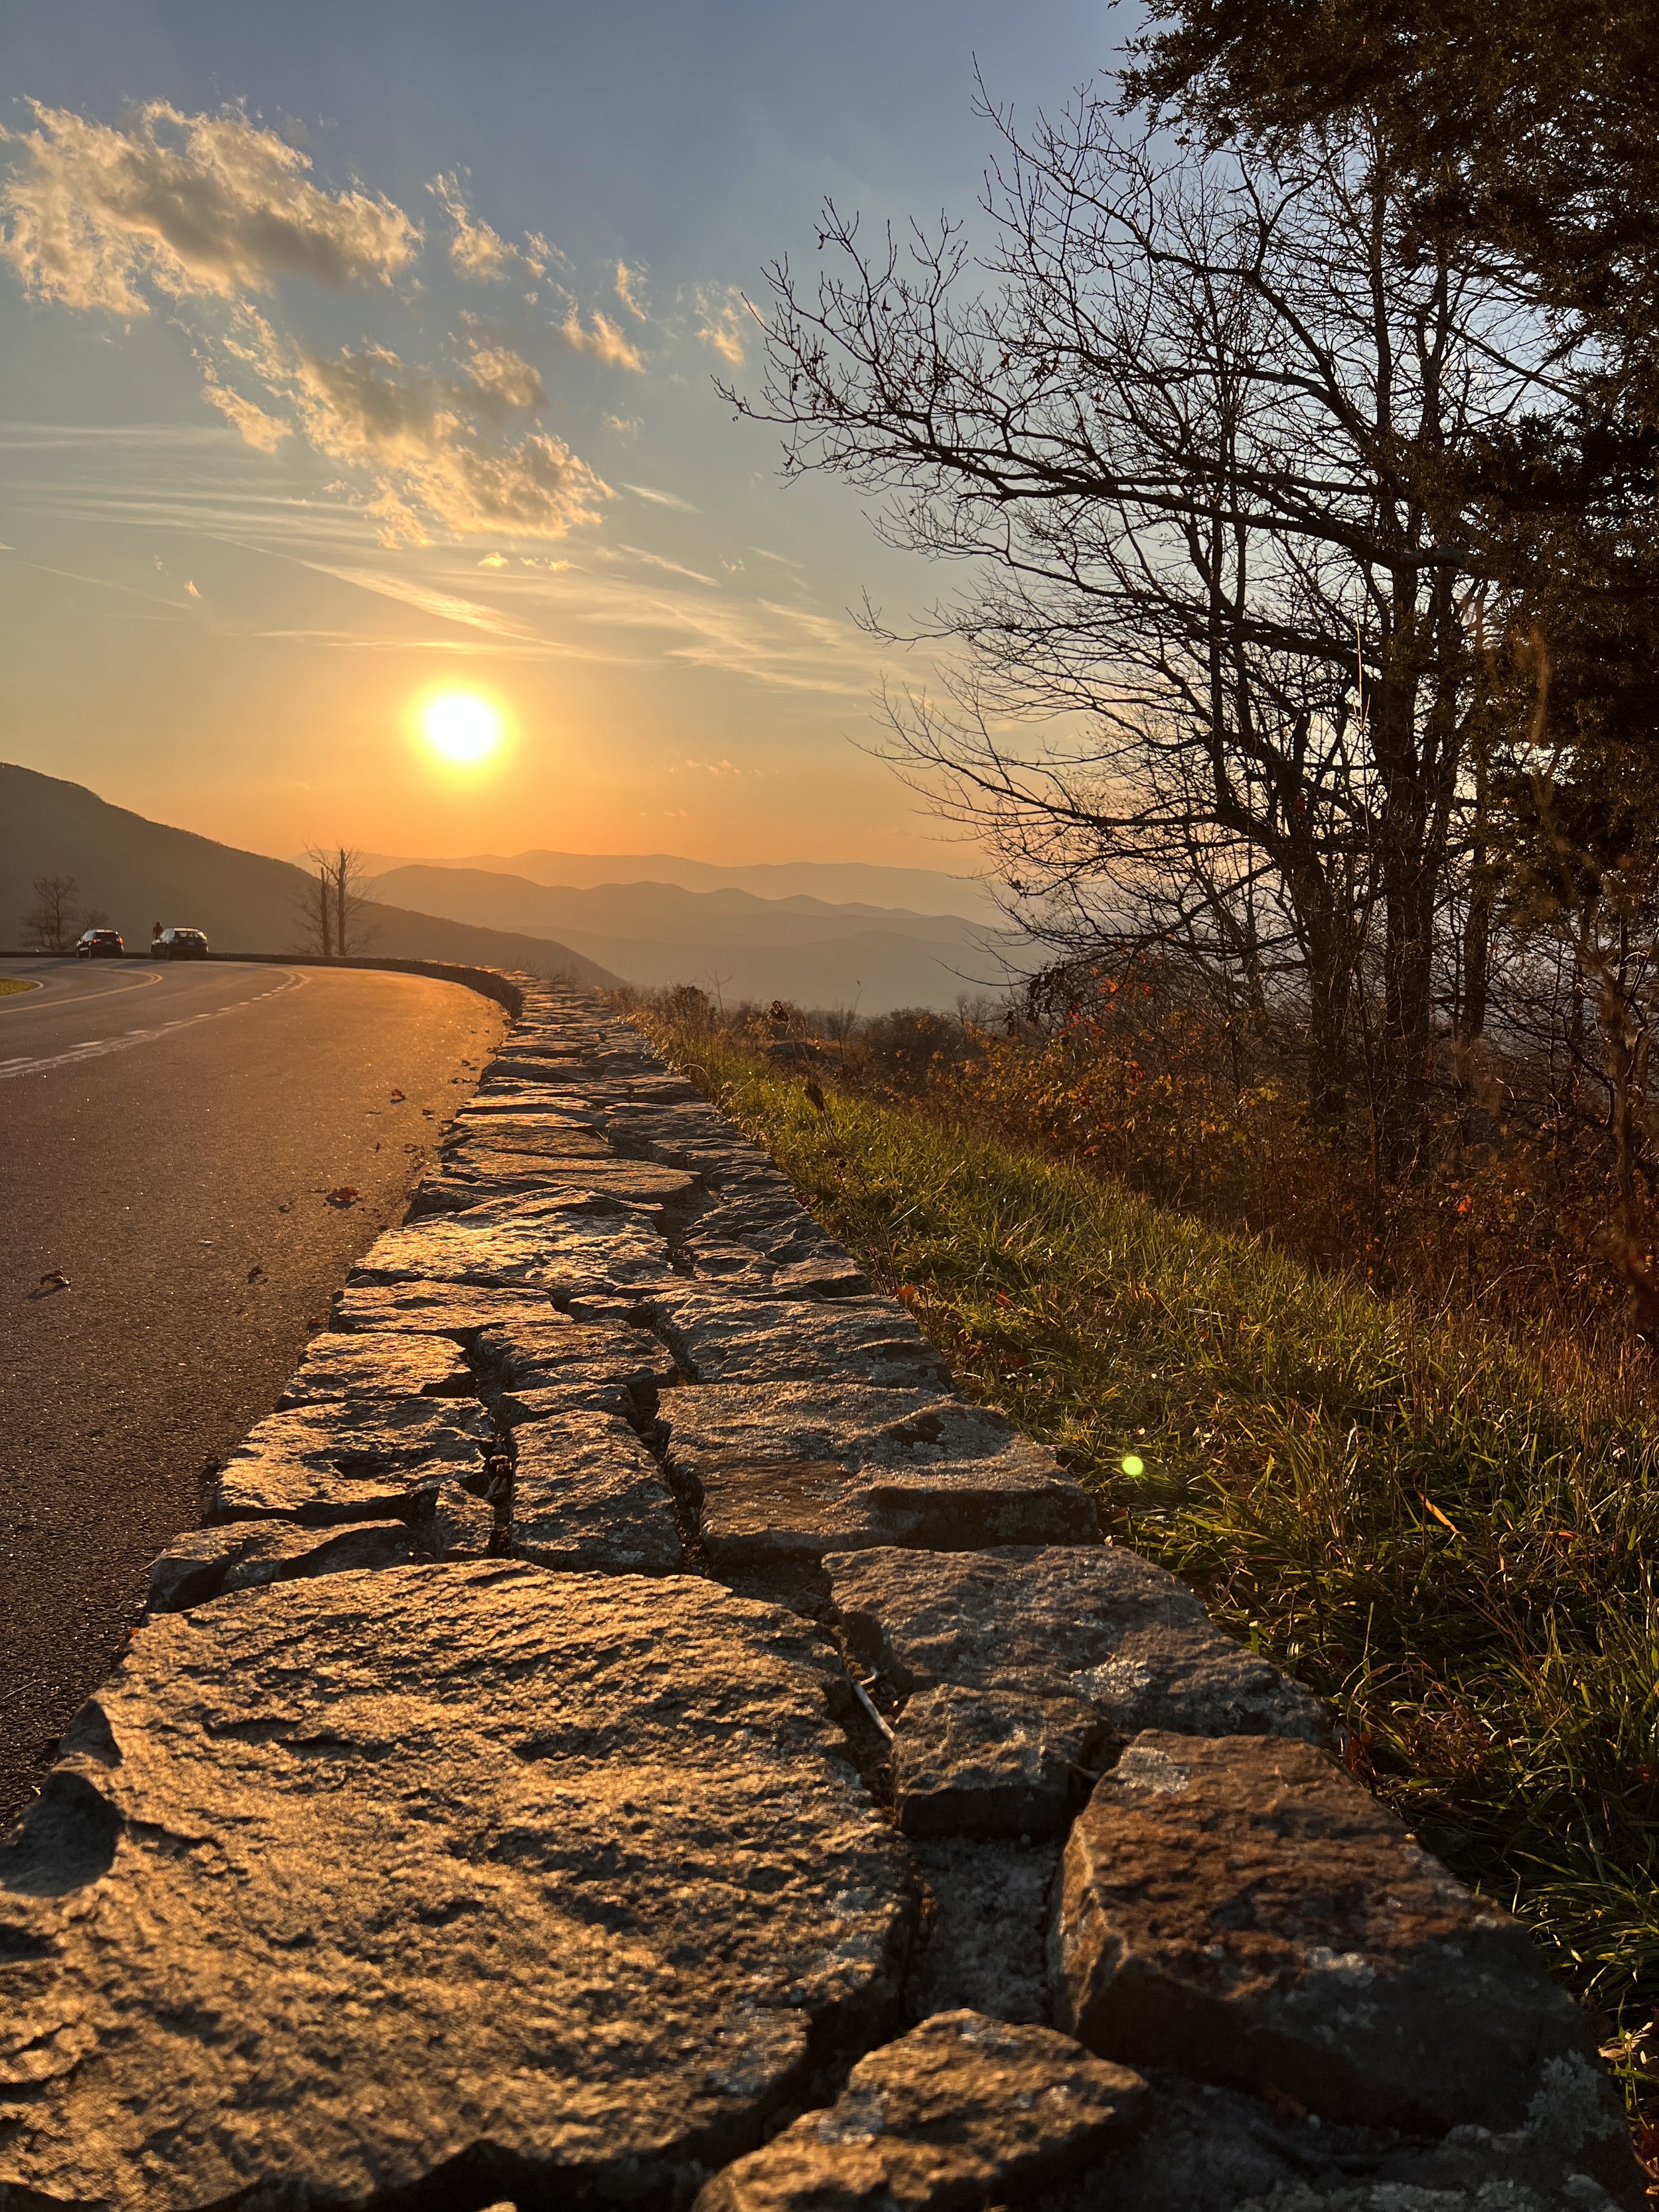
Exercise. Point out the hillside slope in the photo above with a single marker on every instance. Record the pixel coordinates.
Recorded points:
(141, 872)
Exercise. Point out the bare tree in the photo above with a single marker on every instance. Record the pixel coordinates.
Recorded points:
(50, 924)
(332, 904)
(1205, 436)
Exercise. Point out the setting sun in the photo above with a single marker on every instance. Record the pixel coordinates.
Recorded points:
(461, 727)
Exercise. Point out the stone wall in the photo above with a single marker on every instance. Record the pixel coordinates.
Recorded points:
(629, 1735)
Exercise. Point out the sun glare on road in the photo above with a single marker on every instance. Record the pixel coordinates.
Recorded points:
(461, 727)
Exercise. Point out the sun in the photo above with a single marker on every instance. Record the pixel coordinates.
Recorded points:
(461, 727)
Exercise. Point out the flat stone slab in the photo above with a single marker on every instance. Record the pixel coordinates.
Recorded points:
(539, 1355)
(208, 1562)
(540, 1136)
(474, 1880)
(479, 1171)
(964, 2111)
(460, 1311)
(739, 1267)
(1242, 1911)
(553, 1109)
(1099, 1624)
(588, 1497)
(396, 1365)
(545, 1243)
(790, 1471)
(721, 1339)
(351, 1461)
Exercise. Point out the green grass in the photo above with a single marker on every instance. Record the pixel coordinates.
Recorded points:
(10, 983)
(1446, 1533)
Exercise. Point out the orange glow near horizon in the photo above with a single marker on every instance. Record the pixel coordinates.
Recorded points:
(464, 728)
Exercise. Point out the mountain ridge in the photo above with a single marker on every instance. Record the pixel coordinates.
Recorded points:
(886, 888)
(731, 942)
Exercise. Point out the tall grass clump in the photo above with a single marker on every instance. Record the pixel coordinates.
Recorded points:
(1445, 1530)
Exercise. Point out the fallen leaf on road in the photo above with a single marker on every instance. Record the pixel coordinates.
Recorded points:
(398, 1096)
(345, 1195)
(256, 1273)
(56, 1280)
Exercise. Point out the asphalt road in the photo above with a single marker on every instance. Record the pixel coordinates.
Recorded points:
(169, 1136)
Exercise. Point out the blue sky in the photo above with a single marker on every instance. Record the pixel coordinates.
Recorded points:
(357, 352)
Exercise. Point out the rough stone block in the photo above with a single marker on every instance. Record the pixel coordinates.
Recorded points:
(791, 1471)
(769, 1219)
(396, 1365)
(322, 1464)
(452, 1309)
(985, 1928)
(963, 2110)
(210, 1563)
(1097, 1623)
(458, 1882)
(450, 1523)
(587, 1496)
(1202, 2148)
(974, 1762)
(582, 1392)
(1242, 1911)
(737, 1340)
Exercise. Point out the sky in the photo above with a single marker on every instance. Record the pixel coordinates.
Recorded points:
(362, 355)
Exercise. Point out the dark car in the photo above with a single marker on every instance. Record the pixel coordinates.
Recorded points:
(98, 944)
(180, 945)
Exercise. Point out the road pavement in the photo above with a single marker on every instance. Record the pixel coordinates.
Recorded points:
(170, 1137)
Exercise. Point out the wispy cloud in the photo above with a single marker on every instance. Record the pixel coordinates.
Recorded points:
(628, 290)
(603, 339)
(206, 205)
(669, 567)
(393, 584)
(662, 498)
(723, 319)
(475, 249)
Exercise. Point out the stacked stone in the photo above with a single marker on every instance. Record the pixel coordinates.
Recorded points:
(629, 1734)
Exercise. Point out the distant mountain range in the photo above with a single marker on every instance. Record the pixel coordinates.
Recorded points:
(141, 872)
(855, 883)
(729, 938)
(729, 941)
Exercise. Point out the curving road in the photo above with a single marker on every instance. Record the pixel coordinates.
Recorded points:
(169, 1137)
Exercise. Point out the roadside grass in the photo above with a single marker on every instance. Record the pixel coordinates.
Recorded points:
(1444, 1531)
(10, 983)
